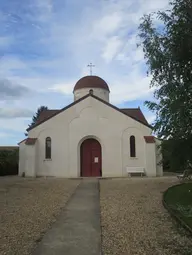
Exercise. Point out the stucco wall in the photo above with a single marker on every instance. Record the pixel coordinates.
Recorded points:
(150, 150)
(31, 163)
(139, 160)
(91, 118)
(101, 93)
(27, 159)
(22, 158)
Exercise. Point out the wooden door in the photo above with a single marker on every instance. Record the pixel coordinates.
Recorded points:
(91, 158)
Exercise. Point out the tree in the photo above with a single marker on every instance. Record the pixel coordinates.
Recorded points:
(167, 47)
(36, 116)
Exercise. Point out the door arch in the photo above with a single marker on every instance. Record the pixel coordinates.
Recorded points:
(91, 158)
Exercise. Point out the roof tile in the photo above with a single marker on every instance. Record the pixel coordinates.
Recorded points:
(135, 113)
(91, 81)
(30, 141)
(149, 139)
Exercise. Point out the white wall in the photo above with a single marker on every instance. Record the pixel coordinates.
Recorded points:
(27, 160)
(30, 162)
(139, 160)
(101, 93)
(90, 118)
(150, 149)
(22, 158)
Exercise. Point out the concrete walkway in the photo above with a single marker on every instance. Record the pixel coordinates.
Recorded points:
(77, 230)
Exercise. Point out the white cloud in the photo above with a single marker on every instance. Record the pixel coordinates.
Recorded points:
(151, 118)
(5, 42)
(107, 25)
(18, 124)
(9, 113)
(132, 87)
(111, 48)
(65, 88)
(4, 134)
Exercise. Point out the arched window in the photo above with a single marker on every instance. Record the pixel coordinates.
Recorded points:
(48, 148)
(132, 146)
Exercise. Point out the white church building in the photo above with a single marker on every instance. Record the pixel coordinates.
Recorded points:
(90, 138)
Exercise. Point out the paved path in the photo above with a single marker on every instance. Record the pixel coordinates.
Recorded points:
(77, 231)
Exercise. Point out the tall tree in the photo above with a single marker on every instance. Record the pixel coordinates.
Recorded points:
(167, 46)
(36, 116)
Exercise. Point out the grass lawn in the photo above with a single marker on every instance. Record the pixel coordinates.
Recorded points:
(179, 198)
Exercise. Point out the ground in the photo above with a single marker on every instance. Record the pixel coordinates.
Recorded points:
(134, 221)
(28, 207)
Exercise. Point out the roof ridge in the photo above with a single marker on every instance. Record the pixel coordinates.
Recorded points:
(130, 108)
(118, 109)
(52, 110)
(63, 109)
(99, 99)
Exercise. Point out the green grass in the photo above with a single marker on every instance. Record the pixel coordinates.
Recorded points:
(179, 198)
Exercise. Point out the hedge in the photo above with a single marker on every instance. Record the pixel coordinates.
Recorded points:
(9, 161)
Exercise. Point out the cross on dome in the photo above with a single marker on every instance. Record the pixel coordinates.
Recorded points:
(91, 68)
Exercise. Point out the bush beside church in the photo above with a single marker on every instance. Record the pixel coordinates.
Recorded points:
(9, 160)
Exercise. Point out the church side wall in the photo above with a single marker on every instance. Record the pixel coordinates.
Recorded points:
(30, 163)
(27, 160)
(89, 119)
(22, 158)
(139, 160)
(151, 163)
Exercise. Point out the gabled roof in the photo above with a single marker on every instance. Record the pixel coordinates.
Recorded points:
(30, 141)
(22, 141)
(45, 114)
(149, 139)
(40, 121)
(134, 113)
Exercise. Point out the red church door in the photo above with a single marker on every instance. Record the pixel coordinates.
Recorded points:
(90, 158)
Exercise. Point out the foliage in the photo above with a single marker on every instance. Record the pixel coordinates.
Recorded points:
(175, 158)
(166, 38)
(9, 160)
(179, 198)
(36, 116)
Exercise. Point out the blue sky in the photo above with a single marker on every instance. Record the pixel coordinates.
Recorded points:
(45, 46)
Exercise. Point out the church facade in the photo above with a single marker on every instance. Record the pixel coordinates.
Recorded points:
(90, 138)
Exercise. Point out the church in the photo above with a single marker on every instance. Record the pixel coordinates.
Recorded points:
(90, 138)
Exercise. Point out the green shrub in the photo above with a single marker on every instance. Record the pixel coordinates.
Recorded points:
(179, 199)
(9, 161)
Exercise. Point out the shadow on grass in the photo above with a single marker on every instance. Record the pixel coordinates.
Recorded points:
(178, 201)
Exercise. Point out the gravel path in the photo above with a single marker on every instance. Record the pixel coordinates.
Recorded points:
(27, 209)
(134, 221)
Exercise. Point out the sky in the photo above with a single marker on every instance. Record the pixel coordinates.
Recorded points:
(46, 45)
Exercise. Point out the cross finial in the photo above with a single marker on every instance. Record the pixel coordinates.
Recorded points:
(91, 68)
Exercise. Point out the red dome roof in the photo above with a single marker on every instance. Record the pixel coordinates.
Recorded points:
(91, 82)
